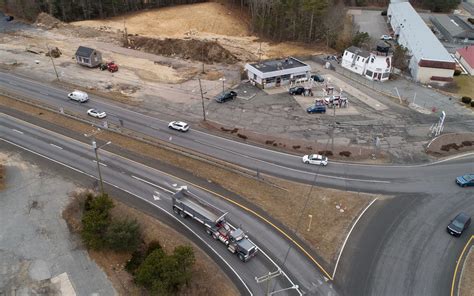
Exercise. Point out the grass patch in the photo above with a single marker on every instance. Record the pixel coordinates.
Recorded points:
(465, 85)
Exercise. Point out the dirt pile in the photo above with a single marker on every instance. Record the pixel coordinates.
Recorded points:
(198, 50)
(54, 52)
(47, 21)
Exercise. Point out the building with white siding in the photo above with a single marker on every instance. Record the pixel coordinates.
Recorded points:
(430, 61)
(273, 73)
(374, 65)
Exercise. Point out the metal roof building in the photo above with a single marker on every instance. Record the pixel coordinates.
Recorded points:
(454, 28)
(430, 61)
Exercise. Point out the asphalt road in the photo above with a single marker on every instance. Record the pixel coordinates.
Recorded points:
(399, 247)
(143, 182)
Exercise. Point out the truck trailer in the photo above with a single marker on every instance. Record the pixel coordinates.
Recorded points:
(187, 204)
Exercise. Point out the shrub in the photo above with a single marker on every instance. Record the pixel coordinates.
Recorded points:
(123, 235)
(457, 72)
(383, 13)
(472, 103)
(466, 143)
(466, 100)
(471, 20)
(309, 148)
(269, 142)
(296, 147)
(448, 147)
(242, 136)
(234, 130)
(345, 153)
(325, 152)
(96, 221)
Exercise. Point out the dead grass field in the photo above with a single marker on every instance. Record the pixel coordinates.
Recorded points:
(333, 211)
(467, 278)
(206, 271)
(205, 21)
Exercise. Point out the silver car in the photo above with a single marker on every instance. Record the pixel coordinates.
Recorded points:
(179, 126)
(96, 113)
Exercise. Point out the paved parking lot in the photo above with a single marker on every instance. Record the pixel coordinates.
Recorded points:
(370, 21)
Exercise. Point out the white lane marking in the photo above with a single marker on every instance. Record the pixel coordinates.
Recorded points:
(56, 146)
(300, 171)
(17, 131)
(101, 163)
(11, 83)
(45, 94)
(156, 195)
(347, 237)
(152, 184)
(143, 199)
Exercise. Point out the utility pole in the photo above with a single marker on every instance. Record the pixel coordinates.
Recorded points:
(52, 61)
(267, 278)
(94, 146)
(223, 81)
(202, 100)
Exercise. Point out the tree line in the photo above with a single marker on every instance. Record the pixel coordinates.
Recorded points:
(277, 20)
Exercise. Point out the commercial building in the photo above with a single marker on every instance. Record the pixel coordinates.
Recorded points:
(374, 65)
(455, 29)
(273, 73)
(430, 61)
(465, 56)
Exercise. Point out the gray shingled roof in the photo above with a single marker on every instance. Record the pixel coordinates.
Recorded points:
(83, 51)
(422, 43)
(358, 51)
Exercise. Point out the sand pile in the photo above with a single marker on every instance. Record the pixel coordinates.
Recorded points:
(47, 21)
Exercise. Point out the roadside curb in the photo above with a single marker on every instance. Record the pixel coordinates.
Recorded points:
(462, 258)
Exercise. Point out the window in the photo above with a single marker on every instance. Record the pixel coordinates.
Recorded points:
(358, 58)
(385, 75)
(270, 80)
(254, 76)
(369, 73)
(285, 77)
(352, 55)
(372, 59)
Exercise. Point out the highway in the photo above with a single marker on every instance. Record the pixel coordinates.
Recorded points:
(400, 246)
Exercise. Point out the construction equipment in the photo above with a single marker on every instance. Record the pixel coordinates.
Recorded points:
(187, 204)
(111, 66)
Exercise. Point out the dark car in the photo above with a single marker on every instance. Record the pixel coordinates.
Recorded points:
(317, 78)
(9, 18)
(316, 109)
(459, 224)
(296, 90)
(227, 96)
(466, 180)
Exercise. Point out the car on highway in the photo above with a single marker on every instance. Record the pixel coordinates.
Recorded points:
(78, 96)
(460, 223)
(227, 96)
(466, 180)
(317, 78)
(315, 159)
(316, 109)
(386, 37)
(296, 90)
(96, 113)
(179, 126)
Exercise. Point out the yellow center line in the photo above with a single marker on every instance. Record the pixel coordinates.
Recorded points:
(457, 264)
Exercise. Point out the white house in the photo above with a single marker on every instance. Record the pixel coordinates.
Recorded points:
(277, 72)
(465, 56)
(430, 61)
(375, 65)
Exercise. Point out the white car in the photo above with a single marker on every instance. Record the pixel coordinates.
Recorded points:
(315, 159)
(179, 126)
(386, 37)
(96, 113)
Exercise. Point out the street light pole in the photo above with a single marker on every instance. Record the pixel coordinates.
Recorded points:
(52, 61)
(96, 148)
(223, 81)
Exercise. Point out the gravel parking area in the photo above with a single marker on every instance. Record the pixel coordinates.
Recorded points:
(370, 21)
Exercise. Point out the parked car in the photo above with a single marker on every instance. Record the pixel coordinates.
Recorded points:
(78, 96)
(296, 90)
(386, 37)
(9, 18)
(315, 159)
(316, 109)
(460, 223)
(466, 180)
(317, 78)
(96, 113)
(227, 96)
(179, 126)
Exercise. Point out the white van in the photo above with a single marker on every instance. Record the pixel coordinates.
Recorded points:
(78, 96)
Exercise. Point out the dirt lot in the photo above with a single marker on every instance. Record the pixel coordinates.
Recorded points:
(113, 263)
(467, 278)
